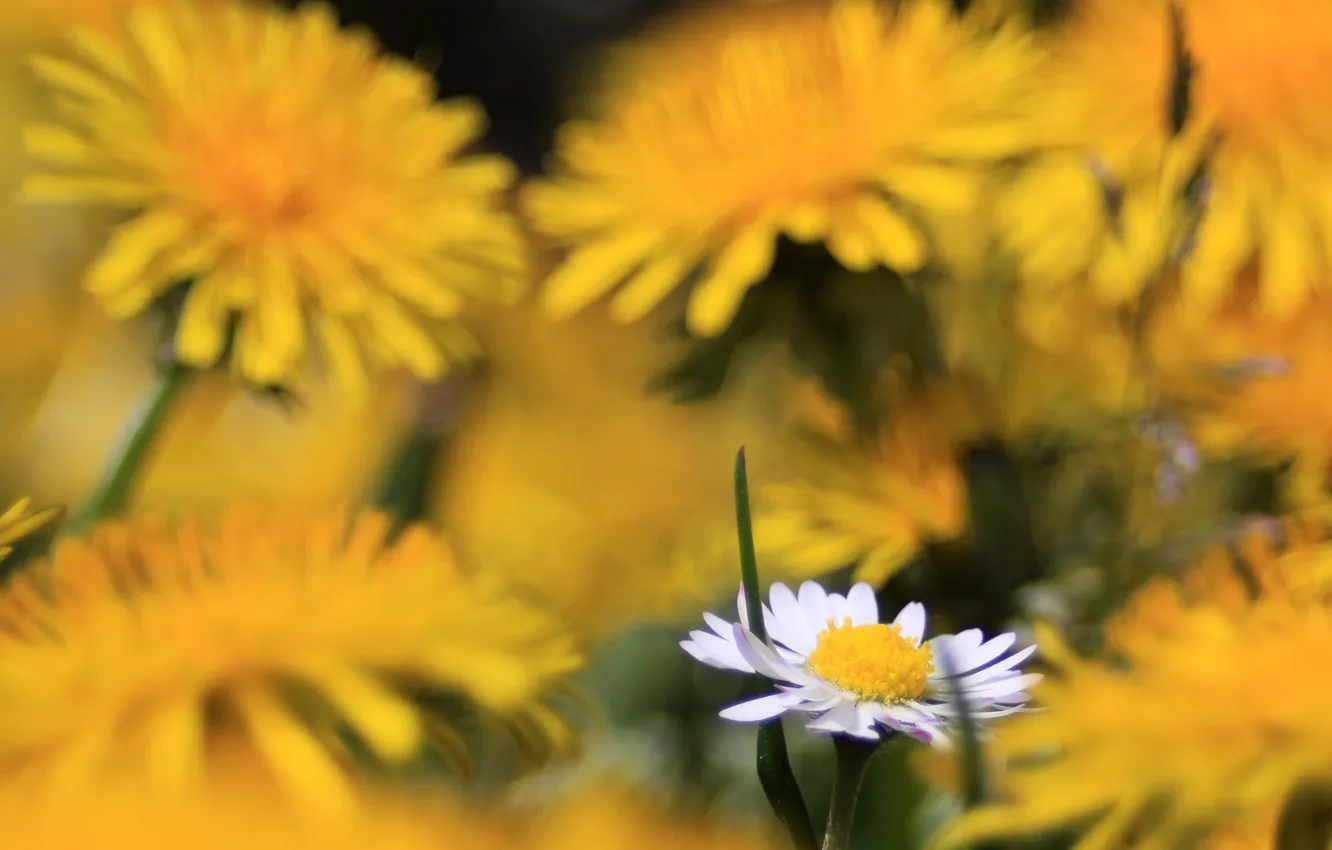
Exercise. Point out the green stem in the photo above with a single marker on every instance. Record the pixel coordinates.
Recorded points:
(748, 556)
(853, 758)
(113, 490)
(773, 761)
(405, 486)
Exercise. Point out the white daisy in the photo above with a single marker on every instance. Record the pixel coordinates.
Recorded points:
(832, 658)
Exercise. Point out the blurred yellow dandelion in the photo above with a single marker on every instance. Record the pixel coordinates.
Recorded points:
(143, 646)
(38, 20)
(20, 520)
(1250, 382)
(236, 811)
(829, 122)
(296, 178)
(1169, 738)
(607, 817)
(872, 502)
(1109, 204)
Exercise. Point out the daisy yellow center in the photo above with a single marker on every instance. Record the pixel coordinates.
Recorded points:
(873, 662)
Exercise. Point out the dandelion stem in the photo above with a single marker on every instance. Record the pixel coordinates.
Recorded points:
(113, 490)
(404, 489)
(773, 761)
(853, 758)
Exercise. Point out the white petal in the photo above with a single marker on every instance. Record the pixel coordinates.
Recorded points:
(912, 620)
(768, 662)
(842, 718)
(867, 718)
(911, 722)
(864, 607)
(718, 625)
(960, 644)
(788, 621)
(741, 607)
(983, 654)
(981, 714)
(996, 690)
(841, 612)
(814, 602)
(757, 709)
(716, 652)
(999, 668)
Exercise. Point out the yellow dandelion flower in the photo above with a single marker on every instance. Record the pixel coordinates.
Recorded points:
(221, 441)
(576, 484)
(609, 817)
(1113, 102)
(1247, 381)
(873, 502)
(236, 811)
(291, 174)
(20, 520)
(141, 647)
(829, 122)
(1166, 739)
(1256, 832)
(29, 21)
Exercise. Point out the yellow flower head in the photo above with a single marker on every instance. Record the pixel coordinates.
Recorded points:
(875, 502)
(293, 175)
(233, 811)
(1249, 381)
(607, 817)
(141, 648)
(20, 520)
(1113, 98)
(1177, 733)
(833, 122)
(37, 20)
(608, 503)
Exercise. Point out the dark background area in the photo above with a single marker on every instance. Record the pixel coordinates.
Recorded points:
(517, 56)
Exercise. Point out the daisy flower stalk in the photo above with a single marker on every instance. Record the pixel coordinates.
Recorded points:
(145, 648)
(832, 659)
(247, 144)
(842, 123)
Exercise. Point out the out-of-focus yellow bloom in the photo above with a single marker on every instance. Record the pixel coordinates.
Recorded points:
(572, 481)
(1064, 362)
(610, 818)
(219, 443)
(1250, 382)
(20, 520)
(1256, 832)
(250, 143)
(34, 21)
(1108, 100)
(1166, 737)
(834, 122)
(236, 810)
(141, 647)
(873, 501)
